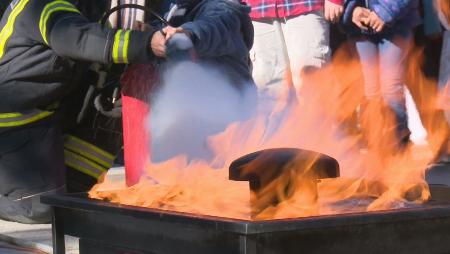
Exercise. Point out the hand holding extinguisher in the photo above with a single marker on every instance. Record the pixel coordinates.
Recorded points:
(180, 47)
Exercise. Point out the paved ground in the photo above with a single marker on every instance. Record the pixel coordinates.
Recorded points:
(6, 248)
(40, 236)
(37, 237)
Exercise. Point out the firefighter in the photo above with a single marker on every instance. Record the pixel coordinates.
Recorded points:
(44, 48)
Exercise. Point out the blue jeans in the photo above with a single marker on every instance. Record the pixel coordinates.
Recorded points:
(383, 62)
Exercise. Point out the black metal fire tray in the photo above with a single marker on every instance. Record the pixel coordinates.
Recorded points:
(116, 229)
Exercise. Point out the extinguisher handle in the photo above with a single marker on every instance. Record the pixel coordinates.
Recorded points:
(132, 6)
(180, 47)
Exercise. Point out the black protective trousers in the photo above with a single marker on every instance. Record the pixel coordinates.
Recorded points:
(31, 164)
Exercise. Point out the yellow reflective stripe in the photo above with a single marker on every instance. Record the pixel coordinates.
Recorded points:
(88, 155)
(120, 46)
(8, 29)
(89, 151)
(125, 47)
(82, 169)
(10, 115)
(48, 7)
(51, 8)
(22, 119)
(96, 149)
(116, 46)
(46, 12)
(82, 164)
(44, 32)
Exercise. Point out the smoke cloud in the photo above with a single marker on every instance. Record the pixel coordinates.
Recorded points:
(194, 103)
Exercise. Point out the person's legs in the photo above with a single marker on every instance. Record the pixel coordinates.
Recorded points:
(367, 52)
(422, 82)
(393, 55)
(444, 75)
(31, 164)
(444, 88)
(269, 66)
(446, 96)
(308, 44)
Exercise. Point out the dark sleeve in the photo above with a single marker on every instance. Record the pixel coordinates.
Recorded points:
(71, 35)
(216, 30)
(390, 11)
(349, 7)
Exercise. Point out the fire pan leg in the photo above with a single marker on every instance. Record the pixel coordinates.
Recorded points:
(59, 245)
(247, 245)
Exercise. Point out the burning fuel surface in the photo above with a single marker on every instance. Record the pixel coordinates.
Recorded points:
(374, 173)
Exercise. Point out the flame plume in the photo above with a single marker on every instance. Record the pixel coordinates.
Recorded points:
(375, 173)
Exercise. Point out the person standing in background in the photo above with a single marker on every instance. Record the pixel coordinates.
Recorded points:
(290, 37)
(382, 33)
(443, 7)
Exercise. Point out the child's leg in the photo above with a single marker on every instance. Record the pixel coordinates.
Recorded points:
(367, 52)
(368, 55)
(444, 76)
(444, 83)
(393, 56)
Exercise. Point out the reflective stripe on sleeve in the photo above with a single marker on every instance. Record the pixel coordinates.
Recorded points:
(116, 45)
(49, 9)
(89, 151)
(125, 46)
(120, 46)
(82, 164)
(19, 119)
(8, 29)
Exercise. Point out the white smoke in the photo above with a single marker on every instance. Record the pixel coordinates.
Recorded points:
(194, 103)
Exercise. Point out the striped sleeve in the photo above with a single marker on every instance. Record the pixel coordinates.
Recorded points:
(64, 29)
(121, 46)
(131, 46)
(50, 9)
(8, 29)
(349, 7)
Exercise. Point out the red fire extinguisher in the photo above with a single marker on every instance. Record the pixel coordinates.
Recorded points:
(137, 83)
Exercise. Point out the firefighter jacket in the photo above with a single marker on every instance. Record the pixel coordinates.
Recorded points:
(41, 42)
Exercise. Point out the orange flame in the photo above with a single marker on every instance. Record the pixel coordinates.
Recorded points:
(444, 7)
(377, 178)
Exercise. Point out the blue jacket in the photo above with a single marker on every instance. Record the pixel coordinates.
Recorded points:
(222, 33)
(399, 15)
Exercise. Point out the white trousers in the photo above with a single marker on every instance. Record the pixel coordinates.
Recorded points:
(300, 41)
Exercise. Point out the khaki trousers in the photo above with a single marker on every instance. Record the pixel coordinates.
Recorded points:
(300, 41)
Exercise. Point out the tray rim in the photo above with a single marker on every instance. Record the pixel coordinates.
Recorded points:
(82, 203)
